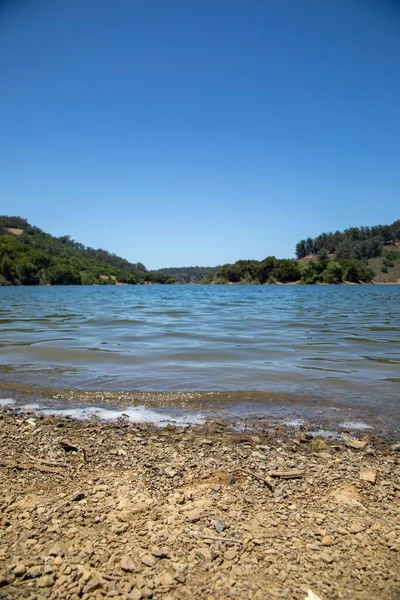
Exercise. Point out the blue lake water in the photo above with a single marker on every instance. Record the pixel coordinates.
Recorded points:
(247, 349)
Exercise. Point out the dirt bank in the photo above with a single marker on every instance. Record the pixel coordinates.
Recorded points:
(95, 510)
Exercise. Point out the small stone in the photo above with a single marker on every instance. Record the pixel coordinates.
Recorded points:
(19, 570)
(166, 579)
(230, 554)
(56, 550)
(34, 572)
(204, 553)
(357, 444)
(160, 552)
(57, 561)
(179, 567)
(45, 581)
(146, 592)
(135, 595)
(78, 497)
(128, 565)
(396, 447)
(148, 560)
(368, 475)
(92, 585)
(327, 540)
(170, 472)
(356, 527)
(219, 525)
(328, 558)
(319, 444)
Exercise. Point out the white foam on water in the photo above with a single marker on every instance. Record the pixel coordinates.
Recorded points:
(7, 402)
(324, 433)
(294, 423)
(355, 425)
(132, 414)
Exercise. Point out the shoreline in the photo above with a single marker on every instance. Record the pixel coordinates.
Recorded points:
(93, 510)
(238, 411)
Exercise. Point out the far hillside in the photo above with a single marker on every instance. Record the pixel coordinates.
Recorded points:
(29, 256)
(189, 274)
(356, 255)
(355, 242)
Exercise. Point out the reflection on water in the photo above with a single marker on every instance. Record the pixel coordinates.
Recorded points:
(336, 343)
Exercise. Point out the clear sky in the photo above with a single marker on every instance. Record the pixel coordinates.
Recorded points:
(198, 132)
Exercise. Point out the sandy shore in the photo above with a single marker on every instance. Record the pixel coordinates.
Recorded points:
(96, 510)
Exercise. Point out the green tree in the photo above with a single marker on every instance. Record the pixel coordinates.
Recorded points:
(64, 275)
(333, 273)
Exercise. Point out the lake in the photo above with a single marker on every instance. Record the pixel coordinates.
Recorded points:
(289, 352)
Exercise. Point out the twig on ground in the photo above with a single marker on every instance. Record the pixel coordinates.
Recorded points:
(219, 539)
(286, 474)
(42, 461)
(26, 467)
(259, 477)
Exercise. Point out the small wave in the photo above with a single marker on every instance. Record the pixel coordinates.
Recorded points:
(7, 402)
(131, 414)
(294, 423)
(355, 425)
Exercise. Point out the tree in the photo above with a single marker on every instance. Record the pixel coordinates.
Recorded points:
(64, 275)
(301, 251)
(333, 273)
(323, 254)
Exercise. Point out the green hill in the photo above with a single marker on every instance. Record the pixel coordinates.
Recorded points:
(356, 255)
(29, 256)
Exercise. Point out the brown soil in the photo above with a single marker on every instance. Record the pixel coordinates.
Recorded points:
(14, 230)
(96, 510)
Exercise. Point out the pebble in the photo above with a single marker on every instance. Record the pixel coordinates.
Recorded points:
(148, 560)
(166, 579)
(92, 585)
(368, 475)
(56, 550)
(160, 552)
(230, 554)
(19, 570)
(356, 527)
(45, 581)
(327, 540)
(328, 558)
(219, 525)
(129, 565)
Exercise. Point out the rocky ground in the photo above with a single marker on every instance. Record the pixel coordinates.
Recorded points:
(97, 510)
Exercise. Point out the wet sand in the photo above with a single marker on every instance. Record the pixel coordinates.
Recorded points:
(102, 510)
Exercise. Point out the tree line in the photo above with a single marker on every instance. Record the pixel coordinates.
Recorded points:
(356, 242)
(275, 270)
(189, 274)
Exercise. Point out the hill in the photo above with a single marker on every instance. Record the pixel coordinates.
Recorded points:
(189, 274)
(356, 255)
(29, 256)
(355, 242)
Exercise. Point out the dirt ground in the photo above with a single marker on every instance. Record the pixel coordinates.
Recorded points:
(99, 510)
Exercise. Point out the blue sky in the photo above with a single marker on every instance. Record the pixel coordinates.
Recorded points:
(198, 132)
